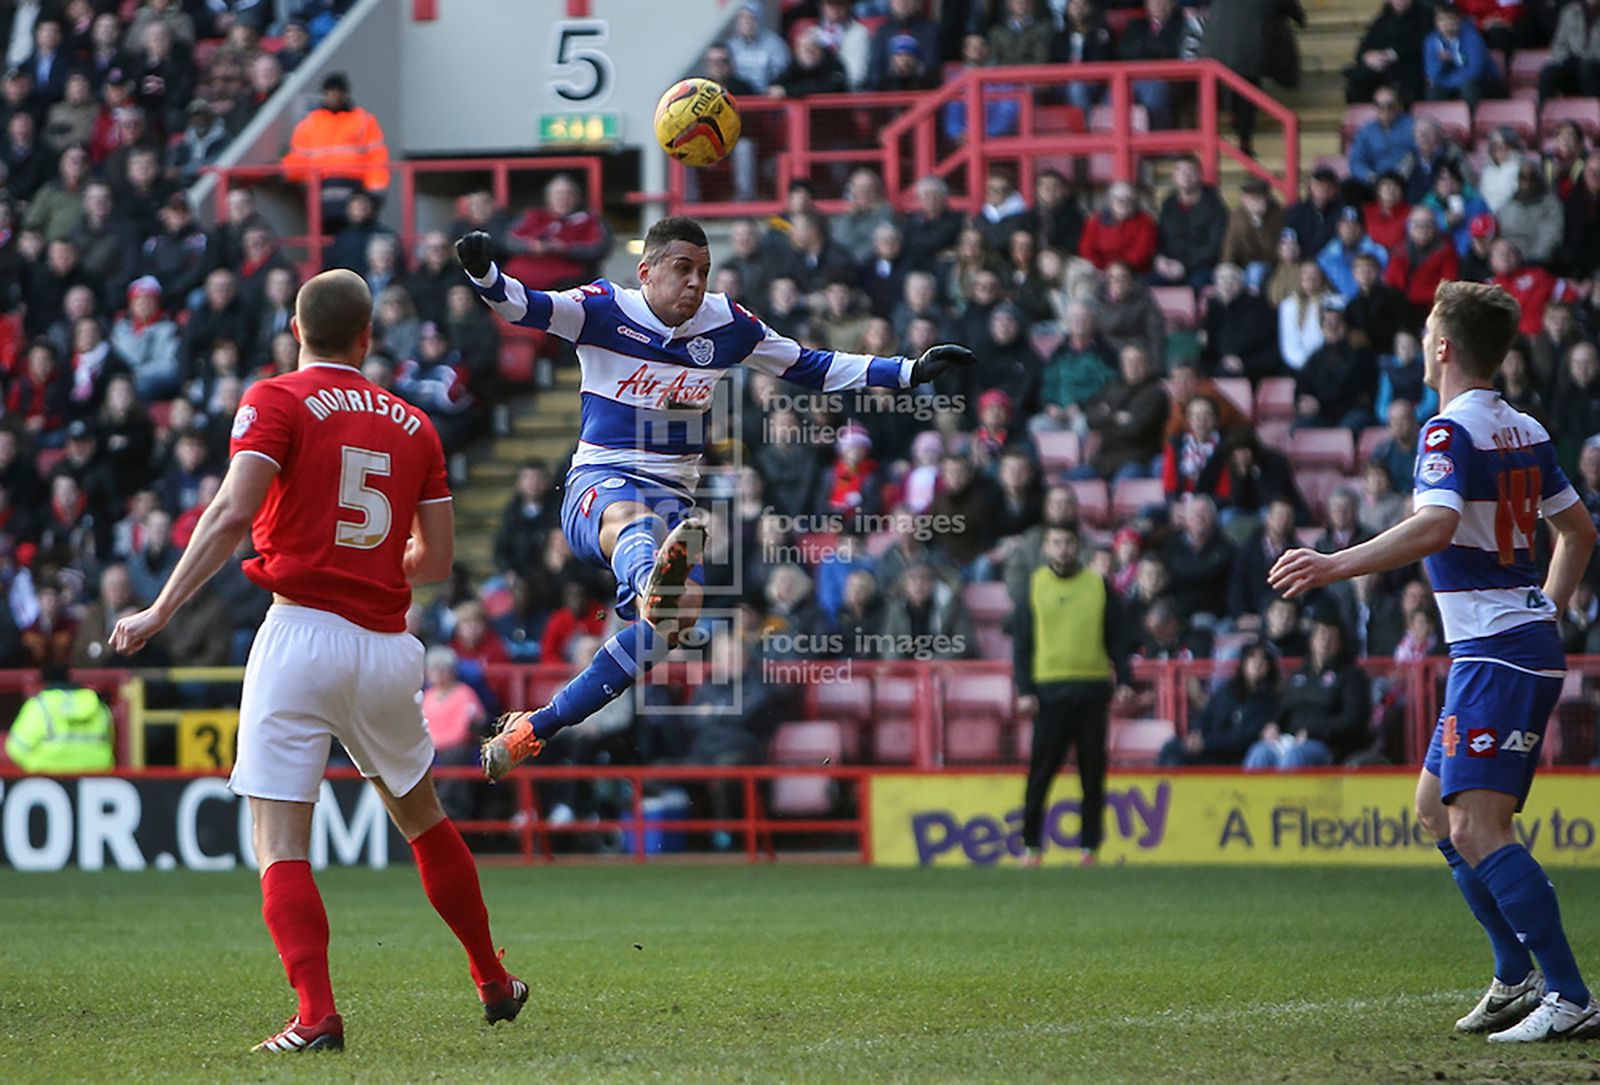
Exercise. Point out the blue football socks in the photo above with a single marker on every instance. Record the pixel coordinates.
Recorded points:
(619, 663)
(1511, 960)
(1527, 900)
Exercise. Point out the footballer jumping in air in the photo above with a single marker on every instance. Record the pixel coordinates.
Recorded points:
(345, 488)
(1485, 474)
(651, 360)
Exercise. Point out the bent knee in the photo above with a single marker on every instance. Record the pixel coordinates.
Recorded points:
(1435, 819)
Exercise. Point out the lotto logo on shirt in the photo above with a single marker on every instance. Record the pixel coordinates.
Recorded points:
(1437, 439)
(1482, 742)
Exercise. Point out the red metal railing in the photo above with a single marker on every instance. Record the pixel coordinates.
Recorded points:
(499, 171)
(899, 135)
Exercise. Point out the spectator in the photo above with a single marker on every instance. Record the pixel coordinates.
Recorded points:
(1385, 217)
(1198, 559)
(40, 396)
(842, 321)
(1193, 220)
(203, 140)
(1434, 153)
(1314, 219)
(579, 616)
(105, 241)
(843, 35)
(1377, 312)
(1455, 203)
(812, 70)
(561, 244)
(1575, 416)
(1160, 35)
(63, 728)
(1031, 279)
(296, 45)
(1498, 180)
(1126, 312)
(906, 69)
(1390, 53)
(1191, 451)
(104, 53)
(1401, 377)
(1516, 386)
(436, 272)
(932, 229)
(759, 55)
(349, 246)
(1531, 220)
(926, 619)
(149, 342)
(1324, 710)
(1056, 218)
(969, 500)
(1248, 591)
(342, 141)
(27, 162)
(474, 641)
(1077, 372)
(905, 21)
(1010, 363)
(1383, 144)
(1069, 649)
(154, 557)
(164, 73)
(1574, 67)
(861, 615)
(1337, 384)
(852, 485)
(1533, 287)
(1130, 415)
(816, 258)
(221, 317)
(177, 257)
(1003, 207)
(1338, 258)
(1240, 331)
(94, 362)
(1235, 715)
(1254, 227)
(1343, 529)
(1000, 108)
(47, 67)
(1425, 260)
(127, 435)
(1456, 62)
(1481, 233)
(866, 210)
(70, 121)
(1580, 244)
(1166, 636)
(1253, 38)
(1397, 455)
(1021, 37)
(1083, 39)
(92, 646)
(56, 210)
(168, 12)
(266, 77)
(1300, 317)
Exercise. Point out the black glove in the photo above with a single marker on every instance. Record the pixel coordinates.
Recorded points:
(476, 253)
(935, 360)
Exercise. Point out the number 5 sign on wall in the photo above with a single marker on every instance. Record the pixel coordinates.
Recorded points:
(580, 69)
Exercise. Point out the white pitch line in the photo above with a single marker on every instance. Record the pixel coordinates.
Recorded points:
(1298, 1008)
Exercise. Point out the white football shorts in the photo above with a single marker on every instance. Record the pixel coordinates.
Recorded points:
(312, 676)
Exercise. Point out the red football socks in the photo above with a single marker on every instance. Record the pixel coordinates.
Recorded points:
(450, 878)
(298, 923)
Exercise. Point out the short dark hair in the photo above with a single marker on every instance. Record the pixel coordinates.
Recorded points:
(333, 309)
(670, 229)
(1480, 320)
(1070, 529)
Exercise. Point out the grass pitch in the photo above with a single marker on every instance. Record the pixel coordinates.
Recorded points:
(785, 973)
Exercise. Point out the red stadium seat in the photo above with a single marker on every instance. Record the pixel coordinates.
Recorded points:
(1525, 68)
(1237, 391)
(1274, 435)
(1094, 504)
(1354, 117)
(1517, 114)
(988, 602)
(849, 699)
(1322, 448)
(1371, 438)
(1059, 451)
(1176, 304)
(801, 796)
(1338, 163)
(1133, 495)
(1316, 486)
(518, 360)
(993, 643)
(811, 742)
(894, 707)
(1454, 117)
(1137, 742)
(1275, 399)
(1101, 119)
(1057, 119)
(972, 742)
(976, 711)
(1586, 111)
(894, 742)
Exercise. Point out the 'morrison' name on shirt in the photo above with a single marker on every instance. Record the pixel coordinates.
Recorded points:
(325, 402)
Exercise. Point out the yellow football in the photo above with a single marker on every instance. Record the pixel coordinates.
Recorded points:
(697, 122)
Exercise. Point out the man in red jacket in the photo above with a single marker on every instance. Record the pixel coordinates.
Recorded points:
(1420, 263)
(1123, 231)
(561, 244)
(1533, 287)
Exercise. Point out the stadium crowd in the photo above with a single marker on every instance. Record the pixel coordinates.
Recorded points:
(856, 527)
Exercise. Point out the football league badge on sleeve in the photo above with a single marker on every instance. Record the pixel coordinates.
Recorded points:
(243, 420)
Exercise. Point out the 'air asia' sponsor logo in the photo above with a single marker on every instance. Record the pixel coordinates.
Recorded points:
(683, 390)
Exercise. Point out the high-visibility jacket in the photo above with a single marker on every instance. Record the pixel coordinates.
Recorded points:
(62, 730)
(347, 145)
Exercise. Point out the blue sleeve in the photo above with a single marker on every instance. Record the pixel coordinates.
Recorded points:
(1444, 452)
(1363, 157)
(1553, 481)
(1432, 60)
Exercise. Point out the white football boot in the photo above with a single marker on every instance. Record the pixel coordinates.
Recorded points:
(1504, 1004)
(1553, 1019)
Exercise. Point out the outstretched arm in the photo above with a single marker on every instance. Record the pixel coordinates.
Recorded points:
(836, 371)
(1427, 531)
(221, 529)
(559, 314)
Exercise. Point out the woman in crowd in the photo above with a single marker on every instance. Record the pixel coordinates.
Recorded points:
(1234, 717)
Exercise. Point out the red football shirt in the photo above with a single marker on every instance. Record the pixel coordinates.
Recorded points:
(354, 462)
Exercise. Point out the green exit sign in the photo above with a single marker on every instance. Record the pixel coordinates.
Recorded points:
(579, 128)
